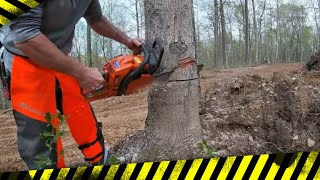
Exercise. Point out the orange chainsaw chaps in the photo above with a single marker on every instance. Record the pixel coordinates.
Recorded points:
(81, 121)
(33, 95)
(32, 99)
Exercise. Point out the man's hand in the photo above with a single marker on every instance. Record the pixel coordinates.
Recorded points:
(135, 45)
(91, 80)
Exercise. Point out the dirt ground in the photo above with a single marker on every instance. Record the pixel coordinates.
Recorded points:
(235, 104)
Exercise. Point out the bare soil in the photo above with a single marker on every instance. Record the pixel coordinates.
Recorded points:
(264, 109)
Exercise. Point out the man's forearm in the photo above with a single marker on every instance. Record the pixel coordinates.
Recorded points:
(105, 28)
(45, 54)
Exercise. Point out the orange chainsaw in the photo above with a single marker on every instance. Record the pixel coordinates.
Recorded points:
(126, 74)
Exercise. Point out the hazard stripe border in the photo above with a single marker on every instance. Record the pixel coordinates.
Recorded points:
(300, 165)
(304, 165)
(11, 9)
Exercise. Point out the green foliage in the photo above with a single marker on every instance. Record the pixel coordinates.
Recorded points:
(112, 160)
(50, 136)
(206, 149)
(44, 161)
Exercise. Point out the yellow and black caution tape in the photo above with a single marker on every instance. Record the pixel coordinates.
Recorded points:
(11, 9)
(283, 166)
(303, 165)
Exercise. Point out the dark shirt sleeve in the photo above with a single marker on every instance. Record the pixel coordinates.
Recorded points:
(27, 25)
(93, 12)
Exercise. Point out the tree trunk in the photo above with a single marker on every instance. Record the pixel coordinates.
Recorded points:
(3, 100)
(278, 33)
(216, 33)
(141, 18)
(246, 24)
(173, 128)
(316, 9)
(223, 35)
(260, 50)
(255, 29)
(137, 18)
(89, 52)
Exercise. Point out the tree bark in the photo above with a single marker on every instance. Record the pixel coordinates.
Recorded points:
(255, 29)
(89, 52)
(216, 33)
(278, 33)
(260, 50)
(137, 18)
(3, 100)
(173, 128)
(246, 24)
(223, 35)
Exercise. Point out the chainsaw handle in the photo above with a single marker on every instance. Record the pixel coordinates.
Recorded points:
(135, 73)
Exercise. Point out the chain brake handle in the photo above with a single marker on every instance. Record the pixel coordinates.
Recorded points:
(141, 69)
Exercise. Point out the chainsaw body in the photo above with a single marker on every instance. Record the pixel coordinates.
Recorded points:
(127, 74)
(115, 71)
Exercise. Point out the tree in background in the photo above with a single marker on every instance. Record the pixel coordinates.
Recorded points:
(4, 104)
(89, 52)
(229, 33)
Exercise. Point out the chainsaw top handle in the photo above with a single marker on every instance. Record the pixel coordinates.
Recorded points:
(152, 56)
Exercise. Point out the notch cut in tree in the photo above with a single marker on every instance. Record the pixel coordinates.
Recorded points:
(173, 128)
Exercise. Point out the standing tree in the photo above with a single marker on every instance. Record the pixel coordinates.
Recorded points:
(216, 33)
(255, 32)
(223, 35)
(173, 128)
(246, 30)
(137, 17)
(89, 53)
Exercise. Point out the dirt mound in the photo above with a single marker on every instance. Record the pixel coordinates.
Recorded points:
(314, 62)
(252, 114)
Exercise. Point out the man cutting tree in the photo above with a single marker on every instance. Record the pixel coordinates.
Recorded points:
(45, 78)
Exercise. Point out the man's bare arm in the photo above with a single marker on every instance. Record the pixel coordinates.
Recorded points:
(44, 53)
